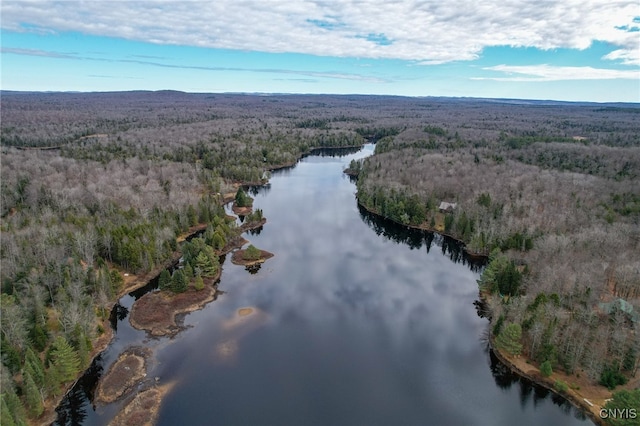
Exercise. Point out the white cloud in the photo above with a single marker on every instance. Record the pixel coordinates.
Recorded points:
(37, 52)
(553, 73)
(429, 32)
(143, 61)
(626, 56)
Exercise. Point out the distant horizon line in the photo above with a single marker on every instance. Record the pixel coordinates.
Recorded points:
(266, 94)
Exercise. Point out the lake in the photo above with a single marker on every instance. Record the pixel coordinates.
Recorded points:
(355, 321)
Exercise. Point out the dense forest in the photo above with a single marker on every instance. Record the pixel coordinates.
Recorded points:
(96, 186)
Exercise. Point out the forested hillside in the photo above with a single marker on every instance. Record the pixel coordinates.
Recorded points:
(95, 186)
(552, 195)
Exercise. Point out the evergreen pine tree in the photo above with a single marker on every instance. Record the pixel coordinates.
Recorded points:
(39, 337)
(12, 411)
(53, 379)
(206, 264)
(65, 359)
(81, 343)
(33, 364)
(83, 350)
(242, 199)
(6, 416)
(192, 216)
(188, 271)
(10, 355)
(509, 339)
(178, 282)
(252, 253)
(32, 395)
(218, 241)
(164, 280)
(199, 283)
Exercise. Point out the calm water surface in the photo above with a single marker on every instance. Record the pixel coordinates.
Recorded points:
(356, 322)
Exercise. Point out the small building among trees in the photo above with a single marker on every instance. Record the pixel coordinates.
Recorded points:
(446, 207)
(620, 305)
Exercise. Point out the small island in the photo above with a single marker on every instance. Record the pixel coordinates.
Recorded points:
(242, 204)
(250, 256)
(129, 370)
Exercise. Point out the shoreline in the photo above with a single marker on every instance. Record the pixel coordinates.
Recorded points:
(307, 153)
(571, 395)
(134, 282)
(469, 253)
(137, 282)
(131, 282)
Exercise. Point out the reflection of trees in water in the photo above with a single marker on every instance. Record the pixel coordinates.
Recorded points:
(525, 393)
(539, 394)
(416, 239)
(528, 390)
(118, 313)
(482, 309)
(153, 283)
(502, 375)
(333, 152)
(256, 231)
(485, 339)
(253, 269)
(254, 190)
(73, 408)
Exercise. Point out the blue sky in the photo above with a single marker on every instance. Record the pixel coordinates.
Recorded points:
(531, 49)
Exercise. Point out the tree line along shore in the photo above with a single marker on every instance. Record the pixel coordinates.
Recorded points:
(547, 190)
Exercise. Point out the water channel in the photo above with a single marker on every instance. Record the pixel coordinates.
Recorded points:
(356, 321)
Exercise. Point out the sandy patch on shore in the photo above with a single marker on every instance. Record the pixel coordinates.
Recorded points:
(245, 321)
(244, 316)
(243, 312)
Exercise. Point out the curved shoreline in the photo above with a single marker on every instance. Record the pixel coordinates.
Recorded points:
(103, 341)
(131, 283)
(310, 151)
(141, 281)
(160, 309)
(589, 410)
(469, 253)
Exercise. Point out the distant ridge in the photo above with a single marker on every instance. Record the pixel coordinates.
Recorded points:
(171, 92)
